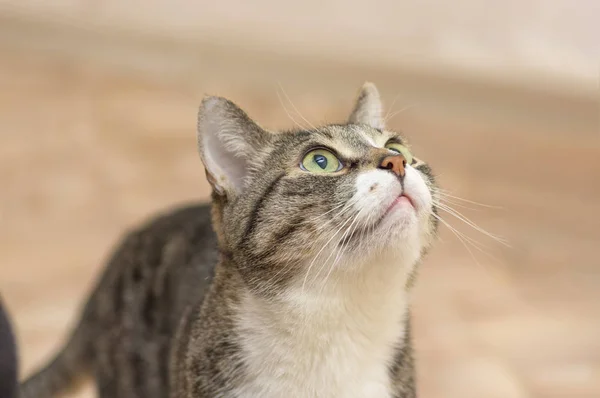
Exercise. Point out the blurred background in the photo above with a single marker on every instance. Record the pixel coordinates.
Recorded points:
(98, 102)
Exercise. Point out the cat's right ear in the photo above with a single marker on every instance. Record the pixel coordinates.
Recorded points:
(368, 108)
(228, 141)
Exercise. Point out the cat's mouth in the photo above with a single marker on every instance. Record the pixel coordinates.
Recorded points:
(402, 201)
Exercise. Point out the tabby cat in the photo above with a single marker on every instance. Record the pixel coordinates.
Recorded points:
(294, 283)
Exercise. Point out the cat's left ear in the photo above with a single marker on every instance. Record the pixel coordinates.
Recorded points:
(368, 108)
(229, 143)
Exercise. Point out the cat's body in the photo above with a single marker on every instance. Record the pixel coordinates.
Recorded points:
(126, 331)
(282, 308)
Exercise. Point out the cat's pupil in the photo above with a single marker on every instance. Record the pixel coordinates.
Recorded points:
(321, 161)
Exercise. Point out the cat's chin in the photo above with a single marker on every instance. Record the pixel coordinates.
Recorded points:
(399, 222)
(400, 214)
(402, 203)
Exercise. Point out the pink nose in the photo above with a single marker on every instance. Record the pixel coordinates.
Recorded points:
(396, 163)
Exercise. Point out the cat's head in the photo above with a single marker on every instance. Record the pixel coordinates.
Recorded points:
(316, 204)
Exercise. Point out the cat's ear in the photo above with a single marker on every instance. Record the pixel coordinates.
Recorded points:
(368, 108)
(228, 141)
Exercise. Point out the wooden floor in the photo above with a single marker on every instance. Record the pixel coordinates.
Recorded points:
(86, 152)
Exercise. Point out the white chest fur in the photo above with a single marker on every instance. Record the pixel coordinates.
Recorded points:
(332, 343)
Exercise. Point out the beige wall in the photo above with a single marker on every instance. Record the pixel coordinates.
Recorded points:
(548, 41)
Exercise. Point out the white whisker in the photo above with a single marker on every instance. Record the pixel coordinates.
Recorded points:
(337, 246)
(453, 203)
(288, 113)
(463, 218)
(389, 117)
(340, 250)
(320, 251)
(458, 235)
(445, 193)
(296, 109)
(327, 212)
(391, 107)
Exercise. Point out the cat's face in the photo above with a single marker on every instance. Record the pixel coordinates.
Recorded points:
(315, 205)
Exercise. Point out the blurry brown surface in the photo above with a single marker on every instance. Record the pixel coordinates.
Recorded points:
(87, 152)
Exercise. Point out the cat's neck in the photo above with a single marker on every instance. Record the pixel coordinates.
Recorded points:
(337, 338)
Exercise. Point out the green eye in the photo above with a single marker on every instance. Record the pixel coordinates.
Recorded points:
(401, 149)
(320, 161)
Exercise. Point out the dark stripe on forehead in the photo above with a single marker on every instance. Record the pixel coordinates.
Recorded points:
(251, 226)
(291, 139)
(356, 133)
(321, 131)
(324, 132)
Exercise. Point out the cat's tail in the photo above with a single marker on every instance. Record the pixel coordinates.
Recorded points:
(63, 372)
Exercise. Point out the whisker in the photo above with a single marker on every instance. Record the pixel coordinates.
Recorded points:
(288, 113)
(340, 249)
(322, 226)
(445, 193)
(329, 211)
(453, 203)
(320, 251)
(346, 208)
(458, 235)
(477, 245)
(296, 109)
(388, 118)
(337, 245)
(285, 269)
(333, 218)
(366, 230)
(470, 223)
(391, 107)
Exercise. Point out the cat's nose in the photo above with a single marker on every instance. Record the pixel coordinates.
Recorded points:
(395, 163)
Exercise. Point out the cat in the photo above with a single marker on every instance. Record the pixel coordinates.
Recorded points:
(299, 287)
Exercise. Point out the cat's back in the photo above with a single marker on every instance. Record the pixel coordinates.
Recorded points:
(168, 261)
(185, 249)
(155, 273)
